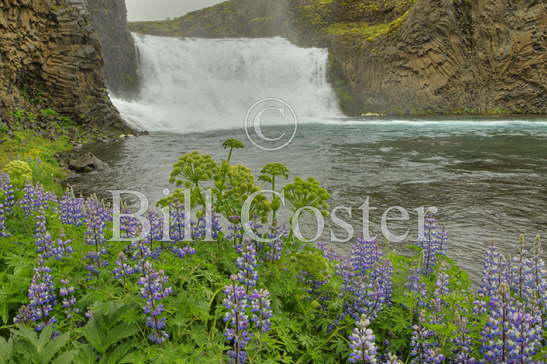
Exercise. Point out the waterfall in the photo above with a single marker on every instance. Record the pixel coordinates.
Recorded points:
(192, 85)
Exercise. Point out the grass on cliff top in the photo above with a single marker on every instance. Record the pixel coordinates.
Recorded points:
(366, 31)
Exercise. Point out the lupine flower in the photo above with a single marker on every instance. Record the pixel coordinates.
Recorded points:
(66, 294)
(95, 218)
(156, 225)
(207, 225)
(432, 242)
(41, 294)
(495, 339)
(262, 312)
(538, 297)
(122, 269)
(8, 192)
(246, 263)
(184, 251)
(363, 347)
(441, 290)
(314, 285)
(3, 213)
(44, 241)
(236, 303)
(417, 288)
(367, 280)
(274, 248)
(177, 222)
(524, 335)
(62, 248)
(424, 346)
(129, 227)
(35, 199)
(142, 251)
(463, 342)
(521, 274)
(154, 289)
(71, 209)
(235, 229)
(328, 252)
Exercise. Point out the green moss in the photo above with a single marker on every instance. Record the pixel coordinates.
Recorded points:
(365, 30)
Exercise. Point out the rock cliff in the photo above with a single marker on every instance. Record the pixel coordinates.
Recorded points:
(109, 19)
(50, 57)
(402, 56)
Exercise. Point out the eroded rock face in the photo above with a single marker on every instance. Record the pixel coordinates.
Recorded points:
(109, 18)
(50, 54)
(402, 56)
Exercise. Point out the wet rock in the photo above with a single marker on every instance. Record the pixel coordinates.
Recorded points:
(86, 163)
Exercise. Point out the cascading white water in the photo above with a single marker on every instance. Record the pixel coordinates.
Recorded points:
(203, 84)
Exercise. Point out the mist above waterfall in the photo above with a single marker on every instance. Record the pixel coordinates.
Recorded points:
(203, 84)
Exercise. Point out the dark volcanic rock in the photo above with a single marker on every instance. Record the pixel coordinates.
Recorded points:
(109, 18)
(50, 55)
(85, 163)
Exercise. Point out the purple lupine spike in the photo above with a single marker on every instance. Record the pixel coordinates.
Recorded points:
(3, 214)
(66, 294)
(129, 226)
(538, 297)
(154, 289)
(177, 223)
(45, 246)
(142, 250)
(71, 209)
(41, 294)
(123, 269)
(260, 306)
(521, 273)
(463, 342)
(237, 321)
(8, 192)
(430, 244)
(156, 225)
(362, 343)
(26, 201)
(495, 272)
(441, 290)
(424, 346)
(184, 251)
(274, 248)
(247, 275)
(212, 224)
(95, 219)
(62, 248)
(495, 339)
(524, 335)
(417, 288)
(367, 280)
(442, 235)
(235, 230)
(328, 252)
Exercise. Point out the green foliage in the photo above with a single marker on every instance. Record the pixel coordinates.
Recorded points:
(109, 335)
(43, 348)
